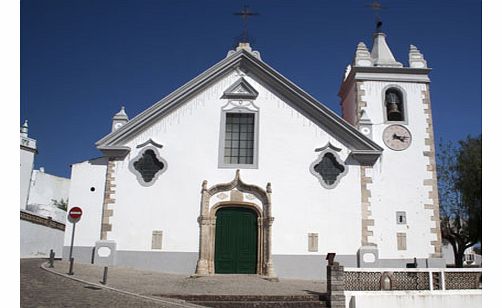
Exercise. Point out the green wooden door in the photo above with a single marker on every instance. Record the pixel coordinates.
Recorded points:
(236, 241)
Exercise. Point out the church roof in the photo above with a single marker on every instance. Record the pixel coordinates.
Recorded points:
(362, 148)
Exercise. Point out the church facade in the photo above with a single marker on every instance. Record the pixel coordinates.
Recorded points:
(241, 171)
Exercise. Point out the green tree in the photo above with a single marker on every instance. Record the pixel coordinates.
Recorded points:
(459, 186)
(61, 204)
(469, 181)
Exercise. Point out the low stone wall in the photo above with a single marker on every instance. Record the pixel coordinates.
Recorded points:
(456, 280)
(41, 220)
(402, 287)
(357, 279)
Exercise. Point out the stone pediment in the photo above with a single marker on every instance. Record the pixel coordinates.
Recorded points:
(240, 89)
(361, 147)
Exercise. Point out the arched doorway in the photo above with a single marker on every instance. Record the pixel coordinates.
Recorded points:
(207, 225)
(236, 241)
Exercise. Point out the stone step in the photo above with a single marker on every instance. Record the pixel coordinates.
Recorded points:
(261, 304)
(273, 298)
(255, 301)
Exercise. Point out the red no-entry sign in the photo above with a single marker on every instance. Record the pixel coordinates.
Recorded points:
(73, 216)
(75, 213)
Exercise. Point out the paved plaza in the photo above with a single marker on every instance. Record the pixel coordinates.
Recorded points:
(42, 288)
(150, 283)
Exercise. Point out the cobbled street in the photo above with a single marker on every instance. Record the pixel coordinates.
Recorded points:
(40, 288)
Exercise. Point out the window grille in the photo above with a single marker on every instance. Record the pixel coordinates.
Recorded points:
(329, 168)
(401, 218)
(148, 165)
(239, 138)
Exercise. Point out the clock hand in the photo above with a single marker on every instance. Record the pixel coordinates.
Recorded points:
(400, 138)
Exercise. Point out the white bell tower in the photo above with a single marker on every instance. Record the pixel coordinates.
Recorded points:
(390, 104)
(28, 148)
(119, 119)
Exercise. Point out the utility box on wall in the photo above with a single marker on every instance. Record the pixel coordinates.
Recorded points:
(367, 256)
(105, 252)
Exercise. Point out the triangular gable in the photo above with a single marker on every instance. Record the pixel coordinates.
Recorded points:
(240, 89)
(362, 148)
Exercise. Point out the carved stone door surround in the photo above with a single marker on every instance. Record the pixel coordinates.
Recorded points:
(207, 225)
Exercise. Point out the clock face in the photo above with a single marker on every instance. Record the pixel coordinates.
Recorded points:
(118, 125)
(397, 137)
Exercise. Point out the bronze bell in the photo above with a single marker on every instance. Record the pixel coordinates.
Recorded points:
(393, 112)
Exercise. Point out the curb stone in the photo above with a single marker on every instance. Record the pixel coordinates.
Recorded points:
(177, 302)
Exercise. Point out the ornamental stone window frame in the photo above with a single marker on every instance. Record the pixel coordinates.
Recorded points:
(328, 148)
(138, 175)
(238, 106)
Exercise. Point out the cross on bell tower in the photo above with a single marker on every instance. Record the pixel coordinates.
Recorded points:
(245, 13)
(376, 7)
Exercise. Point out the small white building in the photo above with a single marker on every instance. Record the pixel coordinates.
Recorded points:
(45, 190)
(42, 224)
(241, 171)
(471, 258)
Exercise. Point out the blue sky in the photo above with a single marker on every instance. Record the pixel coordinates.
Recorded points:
(81, 60)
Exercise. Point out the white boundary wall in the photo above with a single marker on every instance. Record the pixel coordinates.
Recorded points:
(38, 240)
(441, 271)
(413, 299)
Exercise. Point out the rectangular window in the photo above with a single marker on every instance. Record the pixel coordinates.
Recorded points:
(239, 138)
(401, 241)
(313, 242)
(157, 239)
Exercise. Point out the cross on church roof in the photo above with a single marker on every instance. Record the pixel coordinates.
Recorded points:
(245, 13)
(376, 6)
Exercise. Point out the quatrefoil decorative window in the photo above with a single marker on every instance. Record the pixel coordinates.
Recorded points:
(328, 168)
(147, 166)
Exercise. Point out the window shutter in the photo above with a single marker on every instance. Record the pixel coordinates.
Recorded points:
(401, 241)
(313, 242)
(157, 239)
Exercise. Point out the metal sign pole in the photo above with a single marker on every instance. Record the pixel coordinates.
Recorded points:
(73, 216)
(105, 275)
(72, 238)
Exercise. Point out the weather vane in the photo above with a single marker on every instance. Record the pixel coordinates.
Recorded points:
(245, 13)
(376, 7)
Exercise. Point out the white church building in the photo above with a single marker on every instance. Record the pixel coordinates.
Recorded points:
(242, 171)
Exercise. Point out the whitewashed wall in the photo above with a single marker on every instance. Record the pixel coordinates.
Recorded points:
(349, 105)
(190, 138)
(37, 240)
(85, 175)
(43, 189)
(47, 210)
(413, 299)
(26, 160)
(398, 177)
